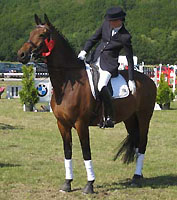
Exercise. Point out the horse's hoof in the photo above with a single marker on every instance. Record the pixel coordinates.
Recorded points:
(136, 180)
(137, 177)
(88, 188)
(66, 187)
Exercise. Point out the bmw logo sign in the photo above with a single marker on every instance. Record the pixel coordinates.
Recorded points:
(42, 90)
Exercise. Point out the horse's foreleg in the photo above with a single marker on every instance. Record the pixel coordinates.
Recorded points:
(83, 133)
(67, 145)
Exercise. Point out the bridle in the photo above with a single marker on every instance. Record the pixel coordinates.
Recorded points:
(37, 51)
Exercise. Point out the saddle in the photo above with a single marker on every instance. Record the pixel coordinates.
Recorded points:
(117, 85)
(95, 78)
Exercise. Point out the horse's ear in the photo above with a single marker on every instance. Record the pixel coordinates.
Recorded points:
(47, 20)
(37, 20)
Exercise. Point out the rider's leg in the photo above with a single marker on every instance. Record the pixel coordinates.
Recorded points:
(106, 96)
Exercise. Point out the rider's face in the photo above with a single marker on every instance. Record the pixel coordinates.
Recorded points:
(115, 23)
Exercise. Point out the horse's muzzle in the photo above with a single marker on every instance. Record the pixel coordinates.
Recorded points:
(23, 57)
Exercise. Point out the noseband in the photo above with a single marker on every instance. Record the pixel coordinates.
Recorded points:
(35, 51)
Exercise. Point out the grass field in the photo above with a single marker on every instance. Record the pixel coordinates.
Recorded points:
(32, 167)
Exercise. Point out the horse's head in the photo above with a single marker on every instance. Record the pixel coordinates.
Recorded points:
(38, 41)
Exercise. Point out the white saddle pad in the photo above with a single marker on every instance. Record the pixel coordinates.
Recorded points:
(119, 85)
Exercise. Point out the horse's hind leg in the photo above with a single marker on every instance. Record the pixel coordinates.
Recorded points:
(67, 145)
(131, 141)
(135, 144)
(143, 121)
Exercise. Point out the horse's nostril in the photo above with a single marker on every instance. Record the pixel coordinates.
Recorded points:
(22, 55)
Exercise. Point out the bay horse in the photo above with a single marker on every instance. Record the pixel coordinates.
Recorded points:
(74, 105)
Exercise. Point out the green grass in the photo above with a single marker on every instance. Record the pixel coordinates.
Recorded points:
(32, 167)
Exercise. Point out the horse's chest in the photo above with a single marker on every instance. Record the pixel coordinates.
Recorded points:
(66, 111)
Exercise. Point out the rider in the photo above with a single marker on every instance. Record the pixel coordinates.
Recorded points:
(114, 37)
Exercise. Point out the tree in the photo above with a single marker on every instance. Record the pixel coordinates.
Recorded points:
(164, 93)
(152, 24)
(28, 94)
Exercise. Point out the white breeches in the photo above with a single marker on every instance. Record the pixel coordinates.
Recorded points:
(104, 76)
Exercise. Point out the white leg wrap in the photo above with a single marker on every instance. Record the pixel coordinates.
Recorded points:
(139, 164)
(68, 169)
(89, 169)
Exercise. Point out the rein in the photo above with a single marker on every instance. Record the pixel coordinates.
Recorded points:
(33, 45)
(60, 69)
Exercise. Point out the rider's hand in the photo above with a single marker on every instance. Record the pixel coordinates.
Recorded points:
(132, 86)
(82, 55)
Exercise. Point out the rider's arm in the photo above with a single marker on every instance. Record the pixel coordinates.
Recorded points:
(93, 40)
(129, 55)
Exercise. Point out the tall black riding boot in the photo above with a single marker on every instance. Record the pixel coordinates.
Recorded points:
(107, 101)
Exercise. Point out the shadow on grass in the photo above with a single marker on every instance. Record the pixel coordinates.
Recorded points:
(173, 109)
(4, 165)
(154, 182)
(160, 181)
(8, 127)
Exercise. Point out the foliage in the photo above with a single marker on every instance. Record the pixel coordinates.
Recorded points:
(28, 94)
(164, 92)
(152, 24)
(175, 91)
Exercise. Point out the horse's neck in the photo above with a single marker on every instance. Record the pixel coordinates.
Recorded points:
(66, 82)
(61, 77)
(63, 55)
(64, 67)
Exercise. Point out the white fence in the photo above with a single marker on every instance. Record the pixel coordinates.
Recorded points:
(13, 91)
(44, 89)
(43, 86)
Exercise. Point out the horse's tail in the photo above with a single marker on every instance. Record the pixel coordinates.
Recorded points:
(127, 149)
